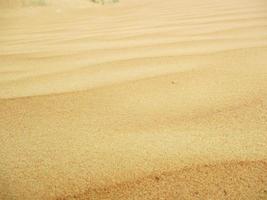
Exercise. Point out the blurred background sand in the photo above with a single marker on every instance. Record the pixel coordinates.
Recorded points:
(133, 100)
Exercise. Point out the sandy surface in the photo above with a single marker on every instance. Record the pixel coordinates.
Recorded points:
(135, 100)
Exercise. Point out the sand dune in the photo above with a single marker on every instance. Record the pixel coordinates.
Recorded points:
(133, 100)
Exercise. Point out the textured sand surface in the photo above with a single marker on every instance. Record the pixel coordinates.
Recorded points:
(135, 100)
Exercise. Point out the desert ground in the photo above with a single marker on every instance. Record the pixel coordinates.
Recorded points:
(134, 100)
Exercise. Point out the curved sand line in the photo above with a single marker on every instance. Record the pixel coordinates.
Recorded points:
(138, 100)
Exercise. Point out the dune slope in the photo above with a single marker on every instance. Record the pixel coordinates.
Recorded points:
(135, 100)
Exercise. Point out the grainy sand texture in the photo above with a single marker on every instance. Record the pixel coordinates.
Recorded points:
(134, 100)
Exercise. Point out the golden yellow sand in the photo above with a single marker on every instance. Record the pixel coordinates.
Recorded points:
(137, 100)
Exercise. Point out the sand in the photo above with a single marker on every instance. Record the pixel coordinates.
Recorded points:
(143, 100)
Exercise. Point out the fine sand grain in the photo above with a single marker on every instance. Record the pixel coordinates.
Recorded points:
(136, 100)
